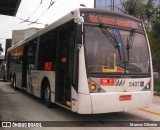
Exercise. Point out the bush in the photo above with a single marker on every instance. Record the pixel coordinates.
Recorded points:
(157, 88)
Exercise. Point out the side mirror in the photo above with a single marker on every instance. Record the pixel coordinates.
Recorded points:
(79, 35)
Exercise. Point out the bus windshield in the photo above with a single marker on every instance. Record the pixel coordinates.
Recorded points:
(112, 50)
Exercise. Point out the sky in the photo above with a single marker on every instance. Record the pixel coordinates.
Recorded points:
(33, 10)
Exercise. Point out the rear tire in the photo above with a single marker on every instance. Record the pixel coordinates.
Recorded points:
(47, 96)
(14, 83)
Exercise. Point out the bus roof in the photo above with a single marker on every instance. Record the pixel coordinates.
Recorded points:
(73, 14)
(64, 19)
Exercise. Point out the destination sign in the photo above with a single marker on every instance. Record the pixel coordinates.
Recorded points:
(115, 21)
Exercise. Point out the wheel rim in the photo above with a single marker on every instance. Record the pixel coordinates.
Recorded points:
(47, 94)
(14, 83)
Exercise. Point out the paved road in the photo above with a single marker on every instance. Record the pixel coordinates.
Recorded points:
(20, 106)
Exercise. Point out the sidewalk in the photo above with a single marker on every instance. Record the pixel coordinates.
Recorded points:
(156, 93)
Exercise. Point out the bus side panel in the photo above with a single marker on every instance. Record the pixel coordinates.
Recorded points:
(16, 70)
(82, 82)
(19, 80)
(74, 100)
(84, 101)
(37, 77)
(84, 104)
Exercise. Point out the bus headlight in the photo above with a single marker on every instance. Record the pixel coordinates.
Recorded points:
(93, 87)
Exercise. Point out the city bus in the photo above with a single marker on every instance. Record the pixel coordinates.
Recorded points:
(90, 61)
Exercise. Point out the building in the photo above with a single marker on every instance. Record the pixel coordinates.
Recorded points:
(18, 35)
(114, 5)
(8, 44)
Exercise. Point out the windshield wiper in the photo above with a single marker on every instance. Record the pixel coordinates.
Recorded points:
(130, 40)
(112, 39)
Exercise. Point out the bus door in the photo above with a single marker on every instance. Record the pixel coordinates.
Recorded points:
(24, 67)
(64, 66)
(31, 64)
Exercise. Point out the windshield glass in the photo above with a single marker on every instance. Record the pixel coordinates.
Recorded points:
(123, 53)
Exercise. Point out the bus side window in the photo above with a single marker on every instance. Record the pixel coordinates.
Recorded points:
(32, 54)
(47, 51)
(20, 59)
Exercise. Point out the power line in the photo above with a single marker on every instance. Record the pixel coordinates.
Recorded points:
(50, 5)
(25, 20)
(29, 21)
(35, 22)
(36, 9)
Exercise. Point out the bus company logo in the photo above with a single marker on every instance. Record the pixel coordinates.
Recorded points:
(120, 82)
(107, 81)
(6, 124)
(136, 84)
(116, 32)
(142, 84)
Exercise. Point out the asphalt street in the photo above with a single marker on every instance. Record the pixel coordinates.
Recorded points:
(20, 106)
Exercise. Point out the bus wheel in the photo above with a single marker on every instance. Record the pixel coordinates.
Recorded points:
(14, 83)
(47, 96)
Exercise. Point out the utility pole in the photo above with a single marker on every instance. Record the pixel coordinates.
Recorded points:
(112, 5)
(158, 14)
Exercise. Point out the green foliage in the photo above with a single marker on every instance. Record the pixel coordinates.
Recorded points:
(132, 7)
(145, 10)
(157, 88)
(140, 9)
(154, 40)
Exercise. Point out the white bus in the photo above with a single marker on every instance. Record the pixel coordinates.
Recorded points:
(90, 61)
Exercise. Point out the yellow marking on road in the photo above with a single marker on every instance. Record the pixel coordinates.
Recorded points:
(152, 112)
(24, 88)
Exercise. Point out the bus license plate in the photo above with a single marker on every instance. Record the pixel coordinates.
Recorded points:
(125, 97)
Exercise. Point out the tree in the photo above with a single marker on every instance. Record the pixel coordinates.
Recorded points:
(132, 7)
(149, 13)
(145, 10)
(154, 39)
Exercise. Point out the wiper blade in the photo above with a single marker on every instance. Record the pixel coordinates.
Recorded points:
(108, 35)
(110, 38)
(130, 40)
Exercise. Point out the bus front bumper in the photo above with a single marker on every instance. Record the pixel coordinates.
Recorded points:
(114, 101)
(95, 103)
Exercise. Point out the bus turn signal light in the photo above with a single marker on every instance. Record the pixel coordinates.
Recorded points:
(90, 82)
(92, 87)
